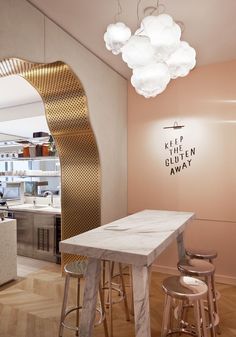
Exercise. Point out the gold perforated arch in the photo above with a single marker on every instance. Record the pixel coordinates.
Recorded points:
(66, 111)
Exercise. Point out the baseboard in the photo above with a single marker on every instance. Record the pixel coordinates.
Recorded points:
(226, 279)
(174, 271)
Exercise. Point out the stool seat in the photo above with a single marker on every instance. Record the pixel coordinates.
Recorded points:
(184, 287)
(76, 268)
(203, 254)
(195, 267)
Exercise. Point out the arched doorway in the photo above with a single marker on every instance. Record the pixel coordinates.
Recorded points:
(66, 110)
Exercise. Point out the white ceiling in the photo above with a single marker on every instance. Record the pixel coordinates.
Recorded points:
(209, 25)
(21, 109)
(15, 90)
(24, 127)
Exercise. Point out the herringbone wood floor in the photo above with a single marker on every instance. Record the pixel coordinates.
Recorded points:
(31, 307)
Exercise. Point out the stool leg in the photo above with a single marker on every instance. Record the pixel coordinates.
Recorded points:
(202, 310)
(210, 307)
(103, 311)
(104, 277)
(131, 293)
(166, 316)
(103, 273)
(112, 268)
(63, 309)
(218, 330)
(180, 314)
(77, 304)
(186, 306)
(110, 297)
(124, 292)
(197, 318)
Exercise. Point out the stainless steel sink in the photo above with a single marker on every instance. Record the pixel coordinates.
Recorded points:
(28, 206)
(37, 206)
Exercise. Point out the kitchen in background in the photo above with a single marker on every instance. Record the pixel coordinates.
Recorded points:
(29, 171)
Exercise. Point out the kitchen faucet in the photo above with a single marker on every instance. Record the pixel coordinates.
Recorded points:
(46, 193)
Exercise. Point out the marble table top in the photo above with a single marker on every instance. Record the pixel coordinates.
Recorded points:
(137, 239)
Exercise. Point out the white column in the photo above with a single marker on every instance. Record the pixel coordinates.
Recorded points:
(141, 301)
(180, 244)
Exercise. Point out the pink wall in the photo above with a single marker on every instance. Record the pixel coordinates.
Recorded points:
(205, 102)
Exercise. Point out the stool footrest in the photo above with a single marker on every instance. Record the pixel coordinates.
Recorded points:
(181, 331)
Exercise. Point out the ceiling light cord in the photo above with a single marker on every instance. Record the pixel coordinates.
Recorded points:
(182, 26)
(119, 11)
(158, 8)
(138, 16)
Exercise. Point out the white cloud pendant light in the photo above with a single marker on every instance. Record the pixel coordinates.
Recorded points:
(155, 52)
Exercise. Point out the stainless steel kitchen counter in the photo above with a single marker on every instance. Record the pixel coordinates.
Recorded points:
(38, 230)
(43, 209)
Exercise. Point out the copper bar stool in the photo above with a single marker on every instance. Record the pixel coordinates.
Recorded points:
(205, 270)
(208, 255)
(187, 291)
(108, 284)
(77, 270)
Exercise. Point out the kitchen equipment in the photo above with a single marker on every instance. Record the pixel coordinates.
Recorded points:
(32, 151)
(39, 150)
(11, 193)
(26, 152)
(38, 235)
(40, 134)
(45, 150)
(57, 233)
(44, 237)
(31, 187)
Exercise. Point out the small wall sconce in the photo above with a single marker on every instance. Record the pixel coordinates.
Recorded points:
(175, 126)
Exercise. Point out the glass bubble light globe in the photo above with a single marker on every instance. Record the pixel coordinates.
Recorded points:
(182, 60)
(116, 36)
(150, 80)
(163, 32)
(138, 51)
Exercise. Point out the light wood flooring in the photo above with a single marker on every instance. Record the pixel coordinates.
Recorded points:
(30, 307)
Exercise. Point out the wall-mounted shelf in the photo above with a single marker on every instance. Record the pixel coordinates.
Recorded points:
(30, 158)
(10, 140)
(29, 176)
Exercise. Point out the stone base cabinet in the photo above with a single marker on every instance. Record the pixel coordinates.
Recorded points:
(8, 256)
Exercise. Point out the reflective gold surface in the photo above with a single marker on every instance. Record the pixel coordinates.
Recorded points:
(66, 111)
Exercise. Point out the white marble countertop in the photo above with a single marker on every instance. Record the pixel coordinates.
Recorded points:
(137, 239)
(6, 221)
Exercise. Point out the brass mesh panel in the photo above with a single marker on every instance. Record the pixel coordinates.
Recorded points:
(66, 111)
